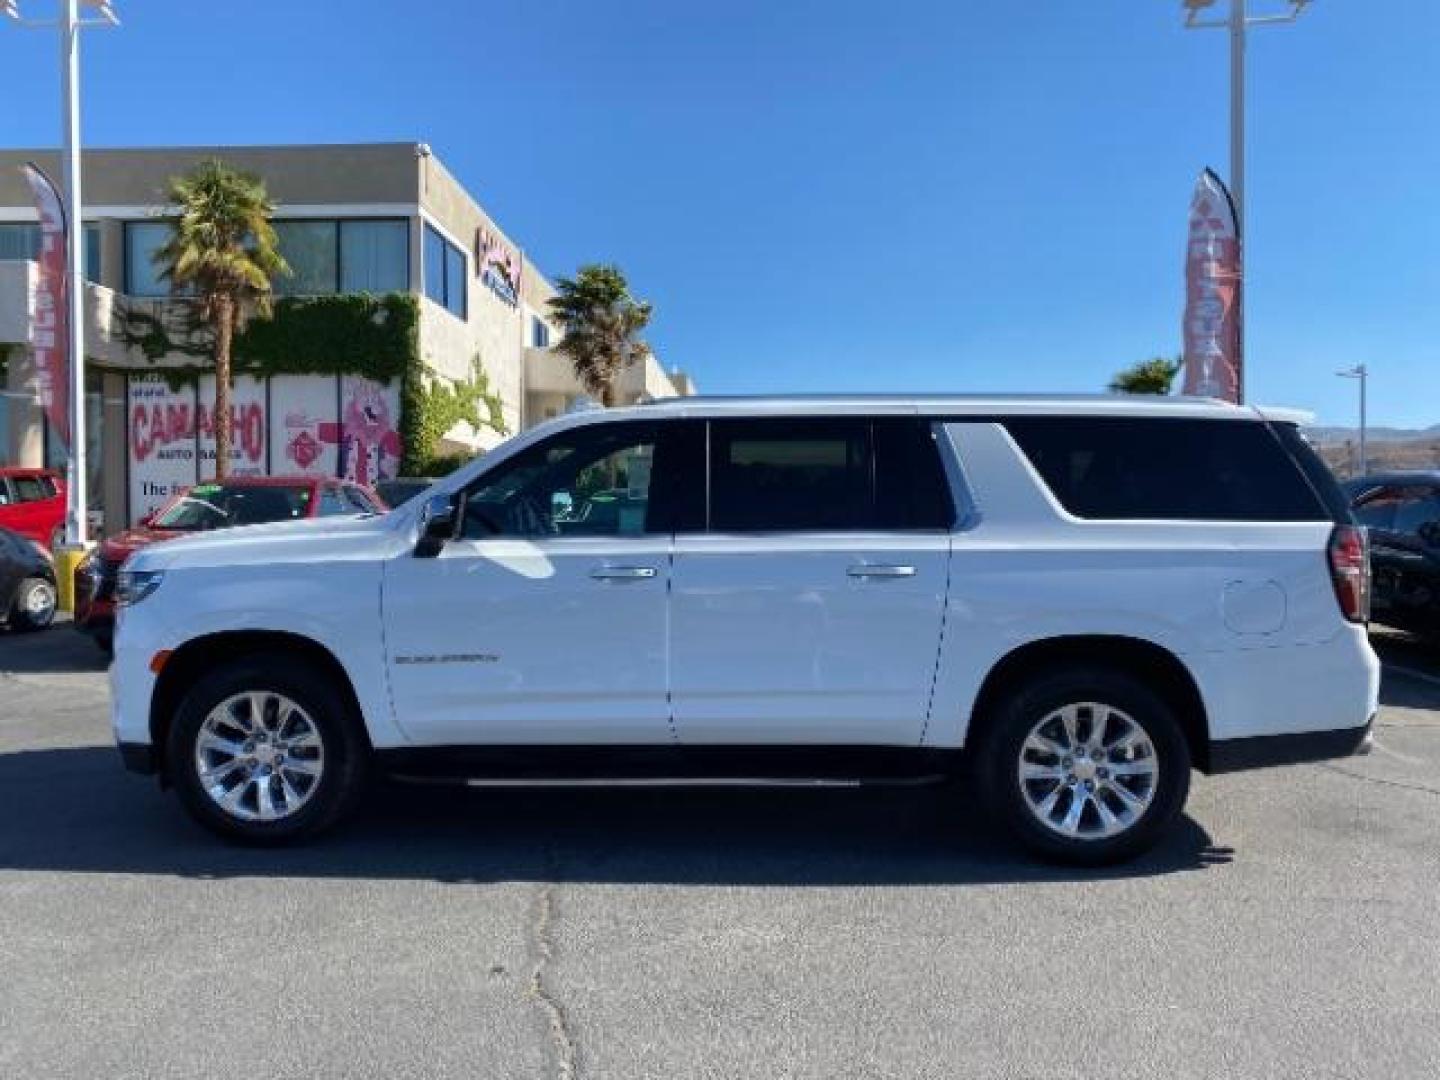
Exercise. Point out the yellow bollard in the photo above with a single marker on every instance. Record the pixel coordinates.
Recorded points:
(66, 560)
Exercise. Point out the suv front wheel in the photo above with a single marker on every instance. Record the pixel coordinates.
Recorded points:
(1086, 765)
(266, 750)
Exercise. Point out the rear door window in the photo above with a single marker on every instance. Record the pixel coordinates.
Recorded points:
(791, 475)
(1158, 468)
(911, 488)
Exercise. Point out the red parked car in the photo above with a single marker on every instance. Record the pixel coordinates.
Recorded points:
(220, 504)
(32, 503)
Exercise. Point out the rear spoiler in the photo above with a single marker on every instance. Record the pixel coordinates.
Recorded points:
(1279, 414)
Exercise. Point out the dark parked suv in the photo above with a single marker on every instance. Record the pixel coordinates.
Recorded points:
(1402, 512)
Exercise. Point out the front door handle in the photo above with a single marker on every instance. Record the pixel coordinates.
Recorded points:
(867, 570)
(622, 573)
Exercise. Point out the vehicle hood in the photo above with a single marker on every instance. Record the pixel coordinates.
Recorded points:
(116, 548)
(311, 540)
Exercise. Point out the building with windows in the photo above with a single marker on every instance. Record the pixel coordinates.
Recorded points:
(404, 298)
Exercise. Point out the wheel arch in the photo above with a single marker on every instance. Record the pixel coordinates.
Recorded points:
(200, 654)
(1147, 662)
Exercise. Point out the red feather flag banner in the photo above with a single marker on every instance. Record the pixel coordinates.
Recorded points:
(50, 339)
(1213, 294)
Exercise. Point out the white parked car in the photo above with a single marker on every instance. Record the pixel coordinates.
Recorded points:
(1072, 602)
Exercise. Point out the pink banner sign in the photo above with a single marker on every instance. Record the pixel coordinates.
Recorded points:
(50, 339)
(1213, 294)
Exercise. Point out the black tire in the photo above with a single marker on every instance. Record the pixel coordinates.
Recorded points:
(34, 605)
(105, 642)
(998, 758)
(345, 749)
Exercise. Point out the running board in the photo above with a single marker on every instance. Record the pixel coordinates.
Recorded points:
(675, 781)
(666, 766)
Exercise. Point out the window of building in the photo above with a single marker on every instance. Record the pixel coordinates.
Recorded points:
(21, 240)
(539, 333)
(312, 250)
(374, 256)
(790, 475)
(142, 240)
(1124, 468)
(446, 279)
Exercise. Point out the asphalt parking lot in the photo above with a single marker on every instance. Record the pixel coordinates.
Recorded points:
(1290, 928)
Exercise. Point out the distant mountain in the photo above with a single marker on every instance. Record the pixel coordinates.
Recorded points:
(1374, 434)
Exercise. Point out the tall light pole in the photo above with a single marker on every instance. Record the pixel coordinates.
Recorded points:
(69, 23)
(1239, 21)
(1361, 374)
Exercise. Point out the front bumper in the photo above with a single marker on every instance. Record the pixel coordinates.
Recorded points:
(1265, 751)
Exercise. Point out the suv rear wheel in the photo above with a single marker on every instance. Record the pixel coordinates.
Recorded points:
(1085, 765)
(266, 750)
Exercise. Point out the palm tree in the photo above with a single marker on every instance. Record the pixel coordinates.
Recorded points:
(223, 252)
(1152, 376)
(602, 322)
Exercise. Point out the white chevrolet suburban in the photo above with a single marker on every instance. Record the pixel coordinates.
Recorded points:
(1070, 603)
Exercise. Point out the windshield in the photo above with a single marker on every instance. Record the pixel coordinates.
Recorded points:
(220, 506)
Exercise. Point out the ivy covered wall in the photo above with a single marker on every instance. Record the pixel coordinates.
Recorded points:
(353, 334)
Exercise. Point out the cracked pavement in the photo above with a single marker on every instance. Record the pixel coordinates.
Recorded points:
(1290, 928)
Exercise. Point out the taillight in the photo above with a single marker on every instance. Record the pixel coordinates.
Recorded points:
(1349, 554)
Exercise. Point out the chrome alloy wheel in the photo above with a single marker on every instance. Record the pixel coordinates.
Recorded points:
(40, 602)
(1088, 771)
(259, 756)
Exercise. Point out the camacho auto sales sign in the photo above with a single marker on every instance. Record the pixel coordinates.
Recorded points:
(1213, 283)
(50, 339)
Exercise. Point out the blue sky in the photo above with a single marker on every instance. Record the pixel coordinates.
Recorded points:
(948, 196)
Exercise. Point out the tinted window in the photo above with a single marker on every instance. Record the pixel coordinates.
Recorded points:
(1137, 468)
(790, 475)
(374, 256)
(142, 240)
(31, 488)
(219, 506)
(604, 480)
(1321, 479)
(312, 251)
(911, 489)
(445, 272)
(1415, 512)
(332, 503)
(1377, 510)
(358, 501)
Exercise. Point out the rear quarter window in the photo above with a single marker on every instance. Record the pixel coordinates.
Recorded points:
(1138, 468)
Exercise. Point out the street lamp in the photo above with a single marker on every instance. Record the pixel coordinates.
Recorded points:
(69, 23)
(1239, 21)
(1360, 373)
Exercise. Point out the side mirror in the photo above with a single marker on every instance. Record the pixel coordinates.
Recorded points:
(437, 526)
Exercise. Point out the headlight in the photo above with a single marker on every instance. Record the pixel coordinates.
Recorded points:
(132, 586)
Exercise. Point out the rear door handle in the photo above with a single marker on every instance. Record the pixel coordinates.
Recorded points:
(622, 573)
(866, 570)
